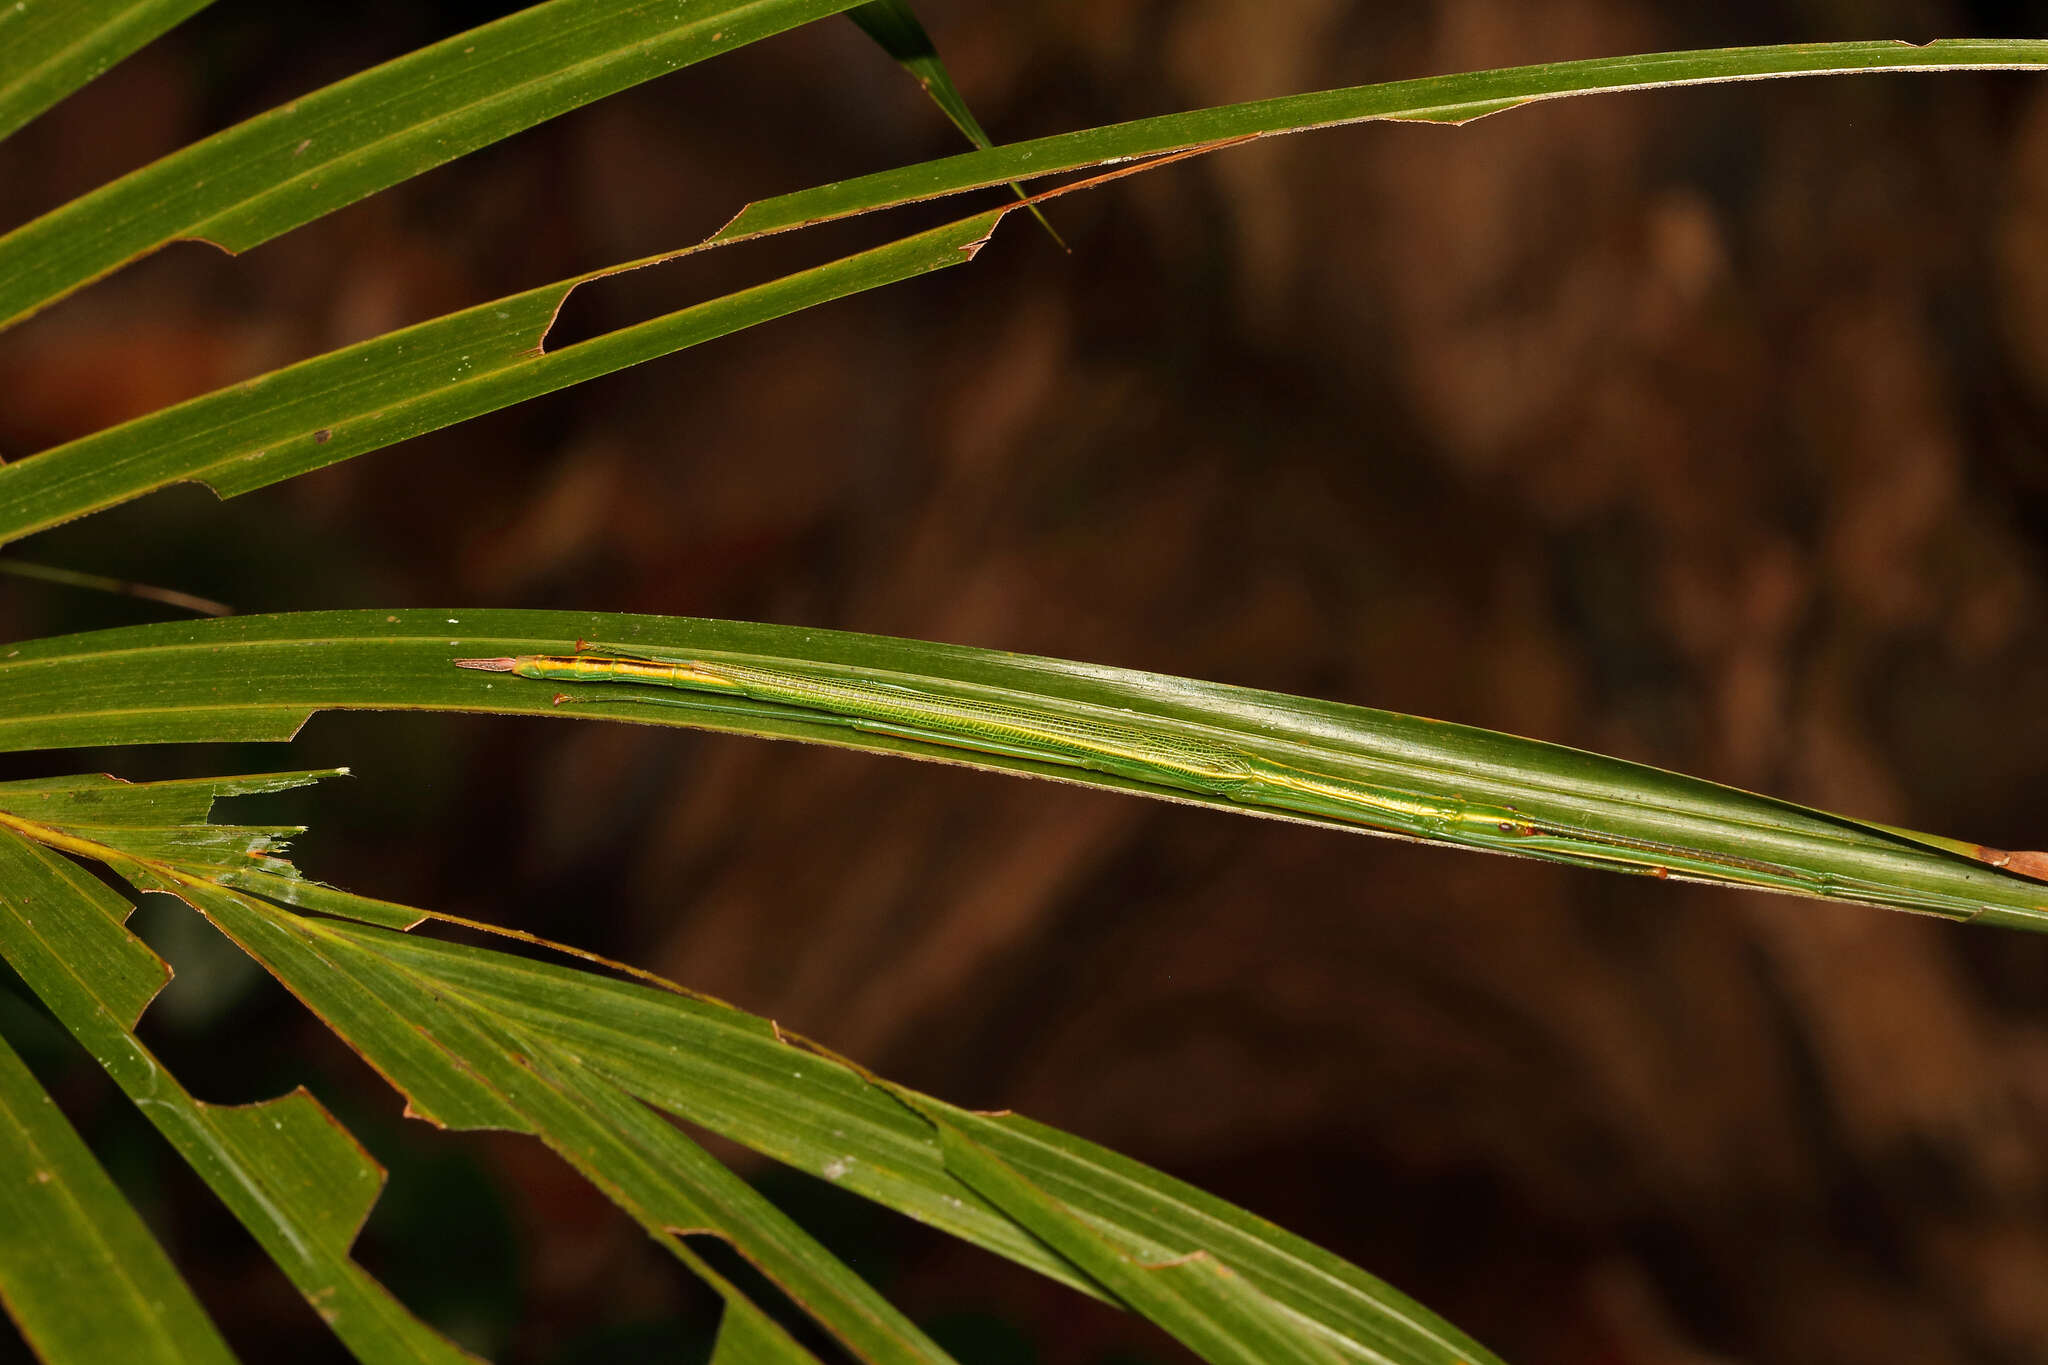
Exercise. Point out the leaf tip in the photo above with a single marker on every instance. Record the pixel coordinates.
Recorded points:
(2025, 864)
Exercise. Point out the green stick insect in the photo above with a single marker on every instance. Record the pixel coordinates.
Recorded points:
(1176, 757)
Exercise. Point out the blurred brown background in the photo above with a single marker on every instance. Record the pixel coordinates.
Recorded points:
(1701, 427)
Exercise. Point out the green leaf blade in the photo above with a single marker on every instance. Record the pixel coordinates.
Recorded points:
(896, 29)
(651, 1169)
(576, 1060)
(420, 379)
(49, 48)
(459, 1060)
(79, 1272)
(1435, 99)
(1152, 1216)
(62, 913)
(728, 1071)
(284, 1168)
(1192, 1295)
(327, 149)
(260, 677)
(734, 1073)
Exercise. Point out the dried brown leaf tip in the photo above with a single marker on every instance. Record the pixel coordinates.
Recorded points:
(2025, 864)
(2033, 865)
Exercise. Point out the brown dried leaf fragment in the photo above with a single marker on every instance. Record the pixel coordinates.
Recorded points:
(2025, 864)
